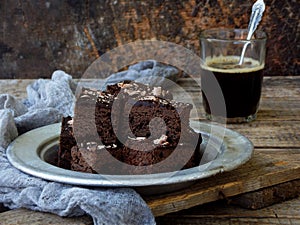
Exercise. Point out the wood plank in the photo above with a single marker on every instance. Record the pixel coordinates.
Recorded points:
(271, 134)
(281, 87)
(28, 217)
(279, 109)
(280, 98)
(228, 221)
(273, 87)
(276, 160)
(224, 208)
(15, 87)
(268, 196)
(263, 170)
(221, 212)
(277, 104)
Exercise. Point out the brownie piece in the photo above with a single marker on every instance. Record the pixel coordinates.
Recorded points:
(107, 116)
(154, 116)
(92, 157)
(134, 90)
(137, 156)
(92, 120)
(84, 116)
(147, 156)
(83, 161)
(146, 111)
(129, 128)
(98, 113)
(66, 142)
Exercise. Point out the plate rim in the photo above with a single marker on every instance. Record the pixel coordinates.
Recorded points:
(31, 163)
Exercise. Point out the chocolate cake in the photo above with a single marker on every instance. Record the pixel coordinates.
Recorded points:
(67, 141)
(129, 128)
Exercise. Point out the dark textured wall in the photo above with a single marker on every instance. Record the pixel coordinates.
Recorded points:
(39, 36)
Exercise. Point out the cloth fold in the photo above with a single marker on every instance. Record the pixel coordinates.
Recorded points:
(47, 101)
(148, 72)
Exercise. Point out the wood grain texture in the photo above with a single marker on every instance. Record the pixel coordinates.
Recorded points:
(274, 165)
(263, 170)
(28, 217)
(216, 213)
(268, 196)
(222, 213)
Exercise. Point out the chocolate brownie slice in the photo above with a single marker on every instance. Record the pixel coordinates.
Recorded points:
(145, 156)
(151, 117)
(66, 142)
(92, 157)
(129, 128)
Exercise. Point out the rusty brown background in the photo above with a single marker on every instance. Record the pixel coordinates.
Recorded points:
(39, 36)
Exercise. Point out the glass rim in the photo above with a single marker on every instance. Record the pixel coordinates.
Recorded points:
(208, 34)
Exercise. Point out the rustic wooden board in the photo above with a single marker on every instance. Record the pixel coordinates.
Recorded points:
(268, 196)
(266, 168)
(263, 170)
(221, 212)
(28, 217)
(218, 213)
(275, 163)
(271, 134)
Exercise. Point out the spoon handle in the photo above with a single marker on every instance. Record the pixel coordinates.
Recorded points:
(257, 11)
(243, 52)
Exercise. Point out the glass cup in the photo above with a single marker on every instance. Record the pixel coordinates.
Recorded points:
(222, 70)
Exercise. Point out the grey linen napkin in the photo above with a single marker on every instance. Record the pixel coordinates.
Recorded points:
(47, 101)
(148, 72)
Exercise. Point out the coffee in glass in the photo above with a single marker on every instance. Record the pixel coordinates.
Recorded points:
(240, 84)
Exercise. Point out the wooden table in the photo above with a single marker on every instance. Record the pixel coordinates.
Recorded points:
(271, 176)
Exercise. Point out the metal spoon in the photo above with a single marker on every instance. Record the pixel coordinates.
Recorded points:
(257, 11)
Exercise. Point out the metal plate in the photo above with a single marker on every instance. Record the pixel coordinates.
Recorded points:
(224, 150)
